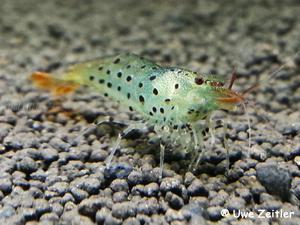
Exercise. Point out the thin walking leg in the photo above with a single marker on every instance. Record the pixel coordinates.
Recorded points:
(108, 120)
(136, 125)
(226, 146)
(161, 159)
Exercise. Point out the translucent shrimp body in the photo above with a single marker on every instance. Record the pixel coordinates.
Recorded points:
(171, 99)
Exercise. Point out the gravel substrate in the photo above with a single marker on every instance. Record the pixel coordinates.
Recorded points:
(48, 178)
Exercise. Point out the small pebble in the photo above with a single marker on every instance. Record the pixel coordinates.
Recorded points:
(124, 210)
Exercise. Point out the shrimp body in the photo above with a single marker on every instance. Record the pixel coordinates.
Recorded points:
(164, 96)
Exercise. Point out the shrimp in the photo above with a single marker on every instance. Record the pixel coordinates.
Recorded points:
(171, 99)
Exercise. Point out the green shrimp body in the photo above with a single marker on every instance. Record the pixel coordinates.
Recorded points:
(162, 95)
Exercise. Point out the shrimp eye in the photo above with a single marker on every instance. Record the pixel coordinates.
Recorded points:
(199, 80)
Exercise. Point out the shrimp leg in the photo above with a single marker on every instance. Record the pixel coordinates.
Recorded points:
(136, 125)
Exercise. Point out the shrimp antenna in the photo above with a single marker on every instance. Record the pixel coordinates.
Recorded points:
(233, 78)
(271, 76)
(276, 72)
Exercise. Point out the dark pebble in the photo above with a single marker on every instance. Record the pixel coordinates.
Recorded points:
(244, 193)
(214, 213)
(102, 214)
(290, 129)
(5, 185)
(151, 189)
(135, 177)
(39, 175)
(79, 194)
(119, 185)
(196, 188)
(119, 170)
(170, 184)
(91, 185)
(120, 196)
(124, 210)
(148, 206)
(60, 188)
(174, 200)
(28, 213)
(55, 31)
(90, 206)
(49, 155)
(27, 165)
(276, 180)
(41, 206)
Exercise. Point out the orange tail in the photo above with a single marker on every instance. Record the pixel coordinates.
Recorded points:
(56, 86)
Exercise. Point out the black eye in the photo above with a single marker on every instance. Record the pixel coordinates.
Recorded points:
(199, 80)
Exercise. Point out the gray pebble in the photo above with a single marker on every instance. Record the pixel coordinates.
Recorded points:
(174, 200)
(148, 206)
(89, 184)
(214, 213)
(98, 155)
(67, 198)
(218, 198)
(28, 213)
(27, 165)
(1, 195)
(39, 175)
(4, 130)
(120, 196)
(59, 187)
(119, 185)
(69, 206)
(5, 185)
(110, 220)
(119, 170)
(131, 221)
(258, 153)
(102, 214)
(276, 180)
(90, 206)
(170, 184)
(289, 128)
(124, 210)
(41, 206)
(72, 217)
(196, 188)
(135, 177)
(193, 212)
(79, 194)
(59, 144)
(144, 219)
(244, 193)
(150, 190)
(49, 155)
(235, 203)
(57, 209)
(51, 217)
(172, 215)
(7, 211)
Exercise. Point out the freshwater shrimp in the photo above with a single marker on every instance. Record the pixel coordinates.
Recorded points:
(171, 99)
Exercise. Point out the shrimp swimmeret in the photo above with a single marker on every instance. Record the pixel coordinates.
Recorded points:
(171, 99)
